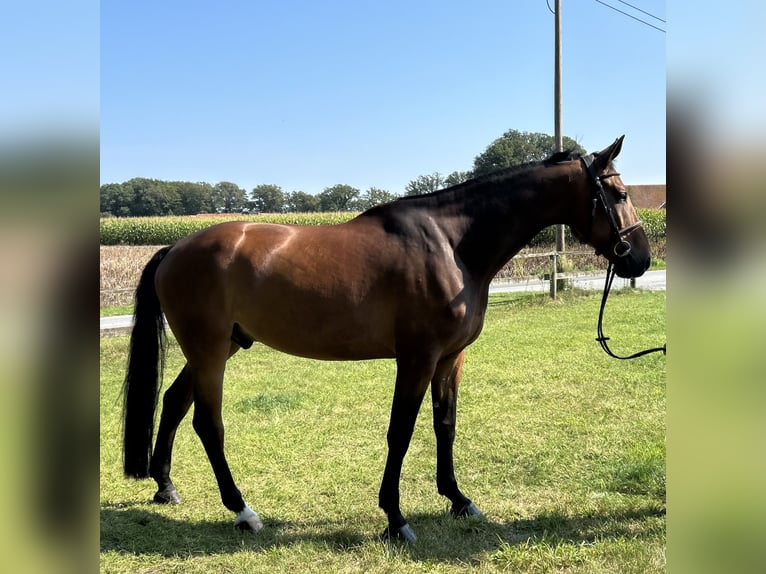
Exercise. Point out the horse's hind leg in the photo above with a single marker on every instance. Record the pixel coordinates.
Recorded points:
(175, 404)
(207, 382)
(444, 388)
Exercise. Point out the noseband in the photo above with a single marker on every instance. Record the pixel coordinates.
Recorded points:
(622, 247)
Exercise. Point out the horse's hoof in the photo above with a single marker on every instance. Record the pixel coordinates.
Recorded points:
(402, 534)
(469, 509)
(167, 496)
(247, 519)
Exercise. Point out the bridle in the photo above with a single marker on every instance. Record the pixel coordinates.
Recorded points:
(621, 249)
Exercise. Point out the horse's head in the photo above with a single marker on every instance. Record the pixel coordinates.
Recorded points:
(611, 225)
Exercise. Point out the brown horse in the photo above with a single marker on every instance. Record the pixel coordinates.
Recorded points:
(407, 280)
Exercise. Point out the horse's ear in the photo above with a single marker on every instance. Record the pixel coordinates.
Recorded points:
(607, 155)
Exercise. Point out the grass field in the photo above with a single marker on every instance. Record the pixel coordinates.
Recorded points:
(561, 447)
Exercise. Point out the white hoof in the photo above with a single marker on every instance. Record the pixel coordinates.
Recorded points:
(247, 519)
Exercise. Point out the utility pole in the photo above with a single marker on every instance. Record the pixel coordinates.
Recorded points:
(558, 256)
(560, 246)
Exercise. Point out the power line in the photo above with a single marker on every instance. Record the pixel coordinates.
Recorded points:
(642, 11)
(630, 15)
(549, 7)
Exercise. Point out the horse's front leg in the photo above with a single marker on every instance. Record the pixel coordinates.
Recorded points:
(444, 388)
(412, 379)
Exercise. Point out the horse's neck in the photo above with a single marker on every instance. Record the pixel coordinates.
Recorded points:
(501, 220)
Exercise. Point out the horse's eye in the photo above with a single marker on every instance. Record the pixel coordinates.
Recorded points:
(622, 196)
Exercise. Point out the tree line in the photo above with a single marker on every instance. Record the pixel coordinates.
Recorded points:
(148, 197)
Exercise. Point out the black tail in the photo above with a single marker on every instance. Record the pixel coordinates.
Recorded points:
(146, 361)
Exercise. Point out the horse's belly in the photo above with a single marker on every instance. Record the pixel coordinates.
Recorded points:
(329, 333)
(337, 350)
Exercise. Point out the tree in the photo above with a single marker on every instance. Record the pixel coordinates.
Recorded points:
(301, 202)
(515, 148)
(457, 177)
(227, 197)
(425, 184)
(372, 197)
(152, 197)
(268, 198)
(115, 199)
(340, 197)
(195, 197)
(168, 199)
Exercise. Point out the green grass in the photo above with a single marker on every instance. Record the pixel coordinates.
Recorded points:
(561, 447)
(116, 310)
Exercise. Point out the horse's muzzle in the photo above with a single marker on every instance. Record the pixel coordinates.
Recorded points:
(631, 264)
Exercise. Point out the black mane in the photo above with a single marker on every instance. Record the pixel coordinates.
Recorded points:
(502, 173)
(562, 157)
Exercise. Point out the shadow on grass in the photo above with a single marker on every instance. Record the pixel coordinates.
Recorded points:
(137, 531)
(133, 530)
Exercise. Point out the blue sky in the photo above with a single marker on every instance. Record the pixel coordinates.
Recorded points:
(49, 59)
(309, 94)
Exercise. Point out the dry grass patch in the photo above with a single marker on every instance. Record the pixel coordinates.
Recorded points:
(121, 266)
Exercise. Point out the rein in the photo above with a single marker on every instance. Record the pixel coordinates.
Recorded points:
(621, 249)
(602, 339)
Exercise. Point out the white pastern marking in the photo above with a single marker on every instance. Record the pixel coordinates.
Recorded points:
(249, 516)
